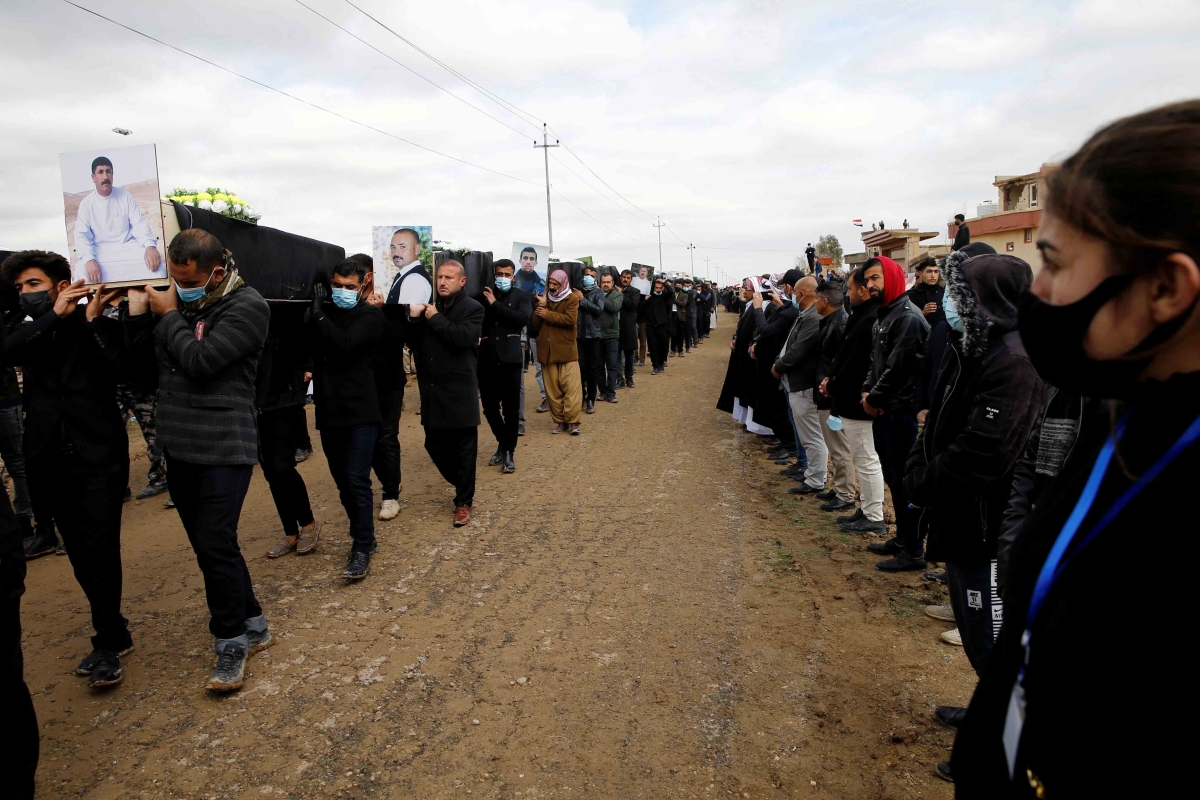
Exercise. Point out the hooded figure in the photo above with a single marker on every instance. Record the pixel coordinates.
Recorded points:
(988, 397)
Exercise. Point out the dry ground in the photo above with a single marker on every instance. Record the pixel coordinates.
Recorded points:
(637, 612)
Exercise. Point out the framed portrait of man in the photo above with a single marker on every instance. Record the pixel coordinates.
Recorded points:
(114, 215)
(532, 262)
(398, 250)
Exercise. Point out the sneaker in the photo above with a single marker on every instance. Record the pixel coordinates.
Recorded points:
(836, 505)
(560, 428)
(629, 385)
(45, 540)
(612, 398)
(259, 641)
(230, 672)
(656, 371)
(497, 457)
(389, 509)
(889, 548)
(590, 407)
(544, 407)
(357, 566)
(152, 490)
(953, 637)
(106, 670)
(521, 428)
(943, 771)
(855, 517)
(863, 525)
(620, 383)
(462, 515)
(575, 429)
(942, 613)
(510, 465)
(950, 716)
(90, 660)
(901, 562)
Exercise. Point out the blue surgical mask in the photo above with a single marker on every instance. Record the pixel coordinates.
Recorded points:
(345, 298)
(504, 284)
(588, 281)
(656, 294)
(834, 423)
(795, 300)
(952, 318)
(192, 295)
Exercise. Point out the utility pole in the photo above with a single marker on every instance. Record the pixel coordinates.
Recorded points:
(692, 255)
(545, 146)
(706, 260)
(660, 225)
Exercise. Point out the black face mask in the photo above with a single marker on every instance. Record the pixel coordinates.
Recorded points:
(35, 304)
(1053, 337)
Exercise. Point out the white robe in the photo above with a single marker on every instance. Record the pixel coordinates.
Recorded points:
(114, 232)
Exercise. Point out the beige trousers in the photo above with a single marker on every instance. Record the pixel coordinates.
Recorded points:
(564, 391)
(844, 476)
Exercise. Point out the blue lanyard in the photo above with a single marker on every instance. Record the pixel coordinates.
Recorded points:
(1055, 563)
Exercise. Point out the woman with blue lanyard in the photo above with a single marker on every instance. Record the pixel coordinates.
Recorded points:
(1087, 685)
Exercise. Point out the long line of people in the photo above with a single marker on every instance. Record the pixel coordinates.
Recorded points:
(1036, 433)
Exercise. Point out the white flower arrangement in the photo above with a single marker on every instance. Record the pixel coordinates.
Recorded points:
(216, 200)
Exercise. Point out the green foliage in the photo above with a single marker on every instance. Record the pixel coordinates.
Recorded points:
(829, 247)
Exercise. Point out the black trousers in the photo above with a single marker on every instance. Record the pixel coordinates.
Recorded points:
(612, 365)
(348, 451)
(678, 334)
(591, 367)
(659, 338)
(705, 322)
(454, 452)
(978, 611)
(278, 440)
(387, 447)
(895, 433)
(500, 393)
(628, 355)
(209, 500)
(18, 758)
(90, 524)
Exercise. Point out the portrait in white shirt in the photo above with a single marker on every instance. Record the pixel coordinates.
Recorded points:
(115, 231)
(399, 251)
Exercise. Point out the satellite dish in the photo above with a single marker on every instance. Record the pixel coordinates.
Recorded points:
(122, 131)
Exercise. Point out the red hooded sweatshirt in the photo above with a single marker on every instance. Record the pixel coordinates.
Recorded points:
(893, 279)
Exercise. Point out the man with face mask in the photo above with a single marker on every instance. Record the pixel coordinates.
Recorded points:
(658, 316)
(505, 313)
(591, 356)
(344, 336)
(610, 332)
(796, 366)
(75, 441)
(206, 333)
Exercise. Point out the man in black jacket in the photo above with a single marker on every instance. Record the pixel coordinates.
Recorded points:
(75, 438)
(832, 330)
(505, 314)
(658, 316)
(206, 333)
(445, 336)
(796, 367)
(927, 293)
(631, 303)
(962, 236)
(345, 335)
(843, 387)
(890, 395)
(591, 355)
(610, 334)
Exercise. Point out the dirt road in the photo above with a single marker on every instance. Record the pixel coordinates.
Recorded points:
(635, 613)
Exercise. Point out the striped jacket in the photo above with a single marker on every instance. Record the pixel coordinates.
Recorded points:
(206, 377)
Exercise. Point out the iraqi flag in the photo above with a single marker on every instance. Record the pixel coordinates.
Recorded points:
(857, 223)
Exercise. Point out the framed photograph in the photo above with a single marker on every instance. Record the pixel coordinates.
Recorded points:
(396, 247)
(114, 215)
(531, 261)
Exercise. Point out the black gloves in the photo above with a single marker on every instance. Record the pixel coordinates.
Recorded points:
(320, 295)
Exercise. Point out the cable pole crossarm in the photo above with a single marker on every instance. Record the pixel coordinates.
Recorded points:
(545, 148)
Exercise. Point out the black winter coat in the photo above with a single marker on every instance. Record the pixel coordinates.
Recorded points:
(852, 362)
(894, 380)
(503, 322)
(284, 360)
(1095, 705)
(446, 346)
(740, 381)
(631, 305)
(344, 342)
(833, 330)
(922, 293)
(658, 308)
(388, 358)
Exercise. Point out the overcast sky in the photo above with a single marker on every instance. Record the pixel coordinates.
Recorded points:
(751, 128)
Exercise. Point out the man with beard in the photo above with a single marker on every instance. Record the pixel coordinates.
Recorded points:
(658, 323)
(554, 325)
(832, 331)
(114, 240)
(631, 306)
(890, 396)
(506, 312)
(926, 294)
(411, 284)
(610, 333)
(643, 273)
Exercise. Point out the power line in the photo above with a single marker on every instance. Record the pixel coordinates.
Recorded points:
(299, 99)
(593, 188)
(410, 69)
(598, 222)
(614, 191)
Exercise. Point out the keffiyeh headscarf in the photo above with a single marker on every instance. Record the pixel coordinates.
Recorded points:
(564, 286)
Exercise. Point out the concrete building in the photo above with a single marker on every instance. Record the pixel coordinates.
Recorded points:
(1014, 225)
(901, 245)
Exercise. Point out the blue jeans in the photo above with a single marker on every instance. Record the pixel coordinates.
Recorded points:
(349, 451)
(801, 456)
(612, 365)
(13, 455)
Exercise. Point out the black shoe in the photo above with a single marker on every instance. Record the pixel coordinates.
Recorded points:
(836, 505)
(302, 454)
(943, 771)
(794, 469)
(620, 383)
(230, 671)
(357, 566)
(544, 407)
(935, 577)
(629, 385)
(803, 489)
(521, 428)
(827, 495)
(889, 548)
(127, 496)
(855, 517)
(45, 540)
(497, 458)
(510, 466)
(950, 716)
(106, 670)
(91, 659)
(26, 526)
(656, 371)
(901, 562)
(863, 525)
(612, 398)
(152, 490)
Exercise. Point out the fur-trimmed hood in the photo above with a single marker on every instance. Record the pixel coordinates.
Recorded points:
(986, 290)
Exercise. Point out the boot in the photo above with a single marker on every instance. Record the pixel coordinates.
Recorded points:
(509, 464)
(497, 457)
(45, 542)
